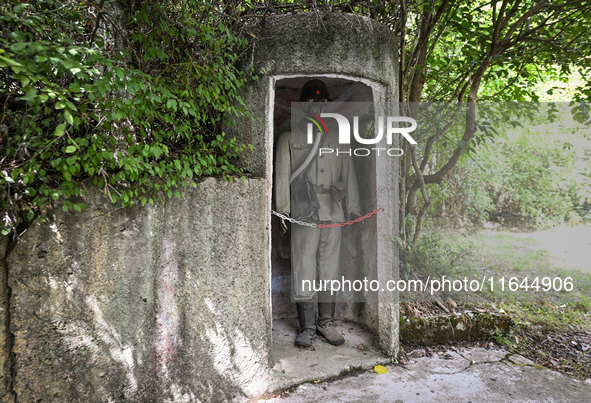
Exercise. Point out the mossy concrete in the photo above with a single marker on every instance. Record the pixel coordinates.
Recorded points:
(313, 45)
(451, 376)
(468, 326)
(172, 302)
(6, 394)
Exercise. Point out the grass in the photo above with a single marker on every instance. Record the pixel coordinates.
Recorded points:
(550, 326)
(500, 256)
(507, 255)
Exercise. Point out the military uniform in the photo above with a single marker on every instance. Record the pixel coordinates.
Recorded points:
(315, 251)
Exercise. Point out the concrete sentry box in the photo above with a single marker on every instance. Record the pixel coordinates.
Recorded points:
(357, 58)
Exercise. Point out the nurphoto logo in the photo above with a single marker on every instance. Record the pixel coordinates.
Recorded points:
(385, 125)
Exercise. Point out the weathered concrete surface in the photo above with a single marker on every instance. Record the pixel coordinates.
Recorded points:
(166, 303)
(467, 326)
(6, 394)
(292, 366)
(336, 43)
(451, 377)
(311, 44)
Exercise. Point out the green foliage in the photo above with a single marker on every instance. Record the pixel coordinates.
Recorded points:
(547, 47)
(463, 195)
(468, 52)
(435, 254)
(539, 172)
(132, 96)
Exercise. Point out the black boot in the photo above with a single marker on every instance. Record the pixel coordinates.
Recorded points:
(306, 317)
(325, 326)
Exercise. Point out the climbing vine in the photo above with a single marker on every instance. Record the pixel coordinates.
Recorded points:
(129, 95)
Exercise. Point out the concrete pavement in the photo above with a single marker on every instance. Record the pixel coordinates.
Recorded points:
(456, 375)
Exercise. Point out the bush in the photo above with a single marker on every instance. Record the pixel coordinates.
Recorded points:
(132, 96)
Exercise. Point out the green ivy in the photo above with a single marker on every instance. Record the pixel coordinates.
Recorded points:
(132, 97)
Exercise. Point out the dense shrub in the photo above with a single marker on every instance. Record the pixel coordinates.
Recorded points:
(130, 94)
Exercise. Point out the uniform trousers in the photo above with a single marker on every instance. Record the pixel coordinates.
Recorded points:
(315, 254)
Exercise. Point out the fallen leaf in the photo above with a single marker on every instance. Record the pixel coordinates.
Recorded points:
(380, 369)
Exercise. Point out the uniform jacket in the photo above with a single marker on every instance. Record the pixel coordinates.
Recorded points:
(324, 171)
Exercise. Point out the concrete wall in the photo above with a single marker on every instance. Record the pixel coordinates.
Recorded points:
(6, 394)
(144, 304)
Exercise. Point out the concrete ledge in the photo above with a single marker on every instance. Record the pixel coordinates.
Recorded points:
(468, 326)
(451, 376)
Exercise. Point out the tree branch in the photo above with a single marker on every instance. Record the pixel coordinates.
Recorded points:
(498, 24)
(536, 7)
(426, 198)
(9, 101)
(98, 21)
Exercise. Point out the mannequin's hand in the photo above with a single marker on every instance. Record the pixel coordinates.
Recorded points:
(355, 215)
(283, 224)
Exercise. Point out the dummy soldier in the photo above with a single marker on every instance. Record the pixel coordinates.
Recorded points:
(323, 185)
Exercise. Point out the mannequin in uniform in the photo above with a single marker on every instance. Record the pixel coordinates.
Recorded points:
(315, 251)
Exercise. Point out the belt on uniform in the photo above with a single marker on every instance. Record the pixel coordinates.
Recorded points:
(321, 190)
(336, 193)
